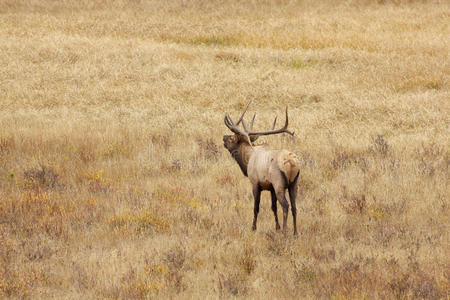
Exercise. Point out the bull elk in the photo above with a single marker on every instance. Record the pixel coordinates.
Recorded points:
(268, 170)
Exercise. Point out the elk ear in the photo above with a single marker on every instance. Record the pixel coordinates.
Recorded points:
(254, 138)
(240, 138)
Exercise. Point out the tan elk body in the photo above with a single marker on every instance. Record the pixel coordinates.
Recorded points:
(271, 170)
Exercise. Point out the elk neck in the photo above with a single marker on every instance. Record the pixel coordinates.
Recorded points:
(242, 155)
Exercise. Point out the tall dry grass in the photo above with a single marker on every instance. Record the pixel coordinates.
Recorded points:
(114, 182)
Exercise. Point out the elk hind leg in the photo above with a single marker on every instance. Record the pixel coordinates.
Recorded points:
(284, 204)
(292, 195)
(257, 197)
(274, 208)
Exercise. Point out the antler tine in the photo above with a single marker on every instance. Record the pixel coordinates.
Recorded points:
(245, 110)
(243, 125)
(253, 119)
(228, 118)
(230, 124)
(274, 123)
(287, 119)
(246, 134)
(227, 122)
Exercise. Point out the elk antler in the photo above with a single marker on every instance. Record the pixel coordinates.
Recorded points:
(234, 127)
(273, 131)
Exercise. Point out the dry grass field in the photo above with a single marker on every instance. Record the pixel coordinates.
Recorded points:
(114, 183)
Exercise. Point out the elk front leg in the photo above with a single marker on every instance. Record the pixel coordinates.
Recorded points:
(274, 208)
(257, 197)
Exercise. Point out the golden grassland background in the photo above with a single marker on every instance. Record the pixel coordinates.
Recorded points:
(114, 182)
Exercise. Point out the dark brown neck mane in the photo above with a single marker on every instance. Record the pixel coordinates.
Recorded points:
(242, 155)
